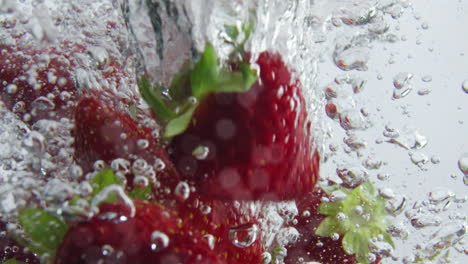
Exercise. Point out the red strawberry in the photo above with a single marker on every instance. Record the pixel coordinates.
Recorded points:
(10, 249)
(327, 240)
(38, 84)
(241, 139)
(234, 232)
(103, 133)
(257, 141)
(152, 235)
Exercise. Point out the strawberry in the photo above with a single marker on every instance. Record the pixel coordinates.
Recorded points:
(106, 134)
(38, 83)
(233, 232)
(236, 137)
(152, 235)
(10, 249)
(344, 231)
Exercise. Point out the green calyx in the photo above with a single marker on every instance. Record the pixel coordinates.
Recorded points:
(174, 107)
(45, 230)
(358, 218)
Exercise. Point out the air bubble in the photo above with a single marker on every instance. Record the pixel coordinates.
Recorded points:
(182, 190)
(201, 152)
(159, 165)
(244, 236)
(463, 163)
(159, 241)
(142, 143)
(465, 86)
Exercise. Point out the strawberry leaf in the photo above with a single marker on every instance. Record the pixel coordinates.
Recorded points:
(178, 125)
(103, 179)
(12, 261)
(45, 230)
(359, 218)
(155, 100)
(232, 31)
(141, 193)
(328, 227)
(205, 73)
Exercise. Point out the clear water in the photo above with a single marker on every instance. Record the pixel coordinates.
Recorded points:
(398, 83)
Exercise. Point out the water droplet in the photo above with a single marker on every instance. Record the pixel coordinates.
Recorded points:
(182, 190)
(463, 163)
(159, 241)
(244, 235)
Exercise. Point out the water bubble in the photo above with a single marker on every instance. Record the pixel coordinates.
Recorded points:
(463, 163)
(142, 143)
(419, 159)
(396, 205)
(465, 86)
(210, 240)
(266, 258)
(426, 78)
(201, 152)
(99, 165)
(424, 91)
(401, 82)
(440, 195)
(104, 194)
(244, 235)
(421, 221)
(335, 236)
(287, 235)
(140, 181)
(159, 165)
(182, 190)
(121, 165)
(425, 25)
(11, 88)
(99, 57)
(107, 250)
(351, 58)
(159, 241)
(43, 103)
(337, 196)
(387, 193)
(352, 176)
(139, 166)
